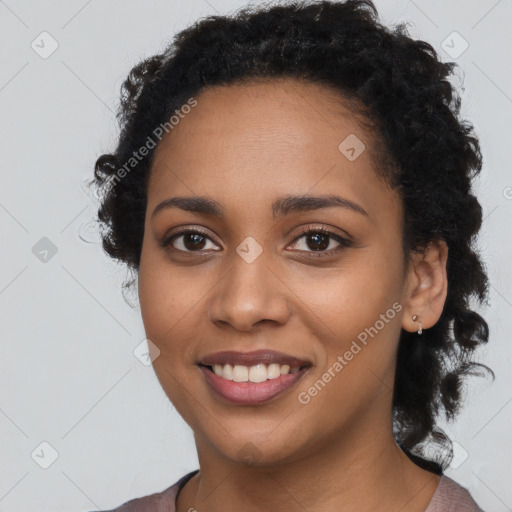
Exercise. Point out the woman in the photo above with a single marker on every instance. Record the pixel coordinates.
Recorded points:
(292, 189)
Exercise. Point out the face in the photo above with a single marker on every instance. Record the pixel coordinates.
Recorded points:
(320, 282)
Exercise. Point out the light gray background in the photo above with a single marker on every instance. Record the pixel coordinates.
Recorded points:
(68, 374)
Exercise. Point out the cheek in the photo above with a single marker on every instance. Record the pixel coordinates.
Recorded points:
(352, 297)
(167, 310)
(358, 307)
(166, 294)
(356, 373)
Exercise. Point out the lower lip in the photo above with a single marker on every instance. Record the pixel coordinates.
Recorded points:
(251, 393)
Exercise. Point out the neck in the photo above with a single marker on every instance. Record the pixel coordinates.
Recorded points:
(355, 471)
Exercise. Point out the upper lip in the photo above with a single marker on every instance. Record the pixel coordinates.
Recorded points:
(253, 358)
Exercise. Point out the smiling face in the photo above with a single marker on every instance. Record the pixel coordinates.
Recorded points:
(252, 280)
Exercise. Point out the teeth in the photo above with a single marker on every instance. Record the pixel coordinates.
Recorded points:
(257, 373)
(274, 371)
(240, 373)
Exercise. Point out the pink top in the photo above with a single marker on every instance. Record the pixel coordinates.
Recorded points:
(449, 497)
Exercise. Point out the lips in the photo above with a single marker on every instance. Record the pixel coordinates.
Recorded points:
(252, 378)
(253, 358)
(249, 393)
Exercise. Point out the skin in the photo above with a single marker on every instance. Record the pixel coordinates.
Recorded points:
(246, 146)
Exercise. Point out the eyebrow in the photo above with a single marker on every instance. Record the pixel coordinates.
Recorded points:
(281, 207)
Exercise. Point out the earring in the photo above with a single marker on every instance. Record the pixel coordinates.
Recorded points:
(420, 330)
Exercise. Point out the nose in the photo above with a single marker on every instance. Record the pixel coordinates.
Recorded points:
(250, 294)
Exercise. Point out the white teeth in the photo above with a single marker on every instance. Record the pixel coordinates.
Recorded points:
(240, 373)
(274, 371)
(256, 373)
(227, 371)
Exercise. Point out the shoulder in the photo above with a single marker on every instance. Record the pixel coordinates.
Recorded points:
(452, 497)
(164, 501)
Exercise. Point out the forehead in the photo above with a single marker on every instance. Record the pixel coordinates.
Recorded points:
(266, 139)
(297, 112)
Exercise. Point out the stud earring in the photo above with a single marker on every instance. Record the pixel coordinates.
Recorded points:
(420, 330)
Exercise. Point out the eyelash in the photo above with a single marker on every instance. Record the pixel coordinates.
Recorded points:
(344, 243)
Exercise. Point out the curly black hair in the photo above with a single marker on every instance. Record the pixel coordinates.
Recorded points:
(425, 152)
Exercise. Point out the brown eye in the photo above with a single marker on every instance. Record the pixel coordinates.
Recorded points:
(189, 241)
(320, 242)
(317, 241)
(193, 241)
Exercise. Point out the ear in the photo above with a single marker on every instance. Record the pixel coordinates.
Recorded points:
(427, 287)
